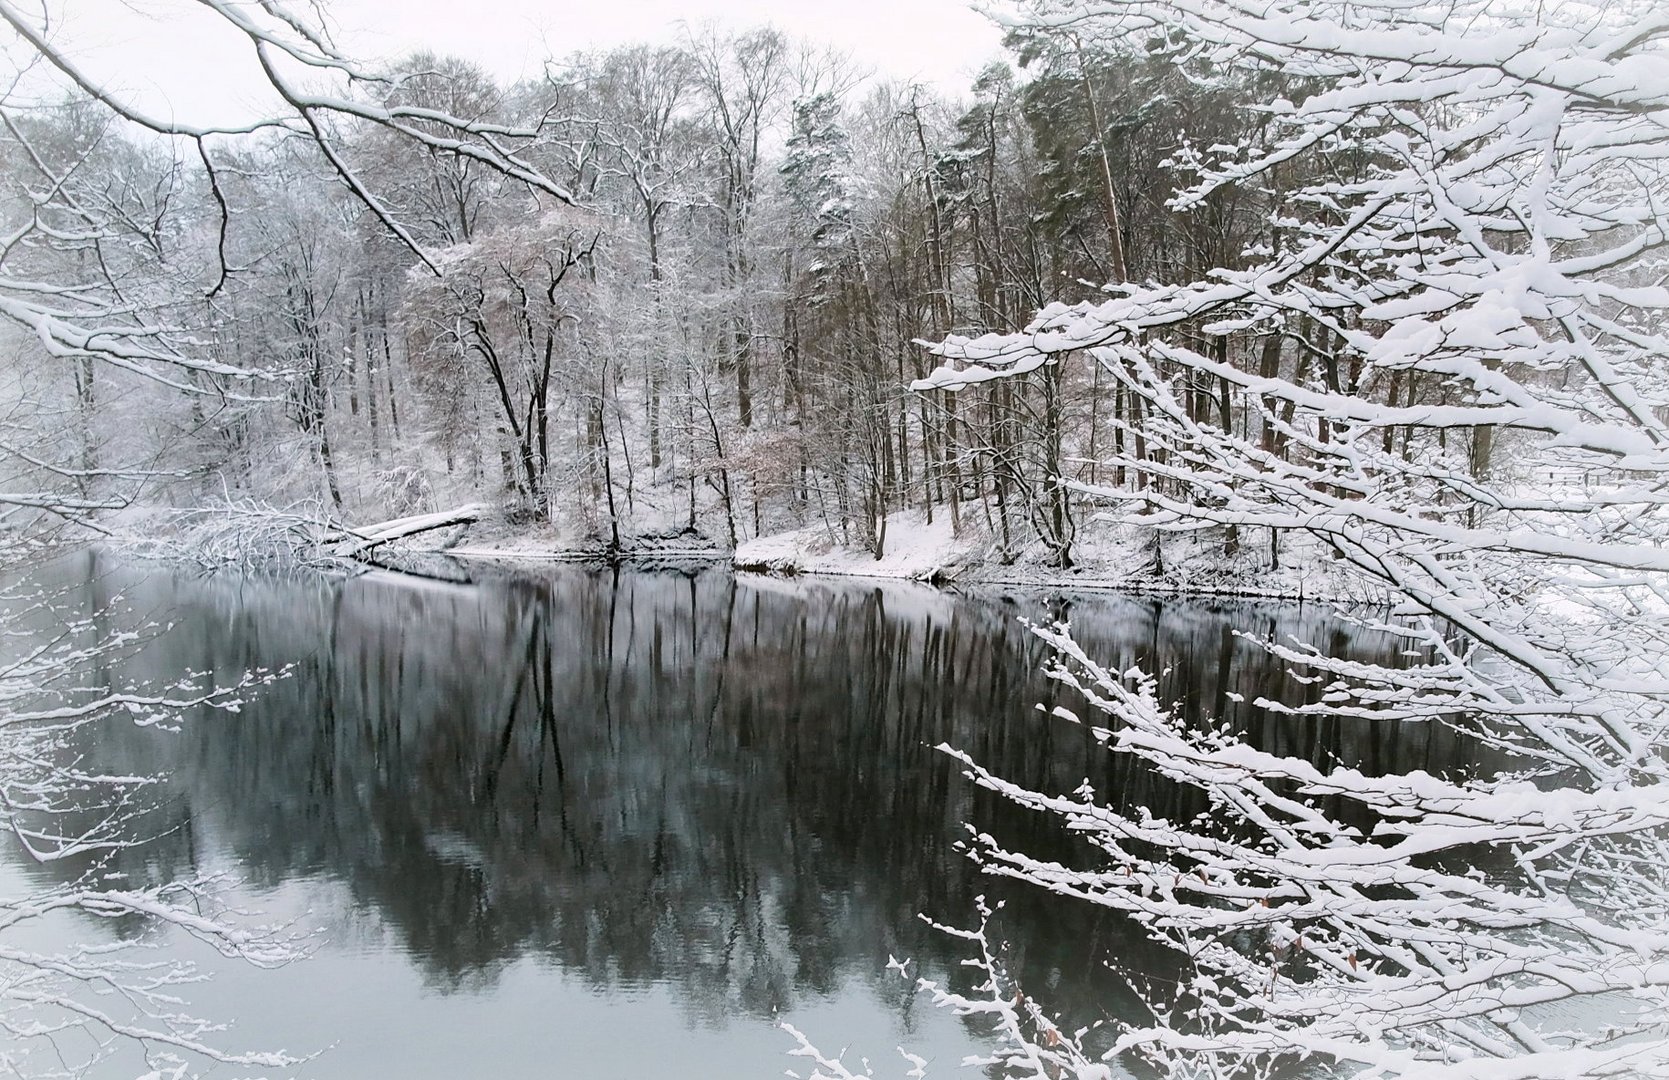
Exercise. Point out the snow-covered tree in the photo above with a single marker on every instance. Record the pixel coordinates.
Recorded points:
(499, 325)
(95, 319)
(740, 80)
(1468, 208)
(817, 170)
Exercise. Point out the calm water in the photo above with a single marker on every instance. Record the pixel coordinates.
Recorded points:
(618, 824)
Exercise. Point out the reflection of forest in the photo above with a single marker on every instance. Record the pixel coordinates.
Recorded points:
(723, 785)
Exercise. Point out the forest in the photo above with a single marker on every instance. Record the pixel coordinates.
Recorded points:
(685, 291)
(1380, 284)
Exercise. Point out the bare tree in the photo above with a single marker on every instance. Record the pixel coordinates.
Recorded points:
(508, 305)
(96, 319)
(742, 79)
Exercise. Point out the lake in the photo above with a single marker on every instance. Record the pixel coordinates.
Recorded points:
(620, 823)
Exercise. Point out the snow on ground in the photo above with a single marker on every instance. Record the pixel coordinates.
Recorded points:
(914, 549)
(1105, 556)
(905, 601)
(547, 545)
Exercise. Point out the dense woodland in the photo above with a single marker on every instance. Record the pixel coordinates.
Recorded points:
(708, 320)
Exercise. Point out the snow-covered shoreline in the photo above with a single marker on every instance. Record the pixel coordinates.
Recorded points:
(1107, 558)
(931, 553)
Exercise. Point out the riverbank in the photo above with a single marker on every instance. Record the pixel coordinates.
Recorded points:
(1105, 557)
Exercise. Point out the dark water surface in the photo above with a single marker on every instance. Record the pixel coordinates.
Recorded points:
(619, 823)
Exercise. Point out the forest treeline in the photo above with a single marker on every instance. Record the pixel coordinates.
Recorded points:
(709, 322)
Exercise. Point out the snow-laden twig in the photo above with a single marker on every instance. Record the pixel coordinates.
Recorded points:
(1029, 1044)
(68, 815)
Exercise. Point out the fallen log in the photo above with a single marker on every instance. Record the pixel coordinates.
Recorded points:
(356, 542)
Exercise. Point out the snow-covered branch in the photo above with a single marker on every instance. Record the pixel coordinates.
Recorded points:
(68, 817)
(1465, 211)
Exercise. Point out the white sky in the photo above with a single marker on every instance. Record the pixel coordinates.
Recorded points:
(171, 57)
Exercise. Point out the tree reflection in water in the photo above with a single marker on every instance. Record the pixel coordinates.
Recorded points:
(722, 785)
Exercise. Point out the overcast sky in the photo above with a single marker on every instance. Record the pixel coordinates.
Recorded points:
(170, 56)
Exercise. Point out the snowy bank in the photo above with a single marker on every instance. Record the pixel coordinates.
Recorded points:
(915, 549)
(1105, 557)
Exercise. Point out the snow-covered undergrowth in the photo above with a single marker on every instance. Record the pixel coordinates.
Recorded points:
(229, 533)
(249, 533)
